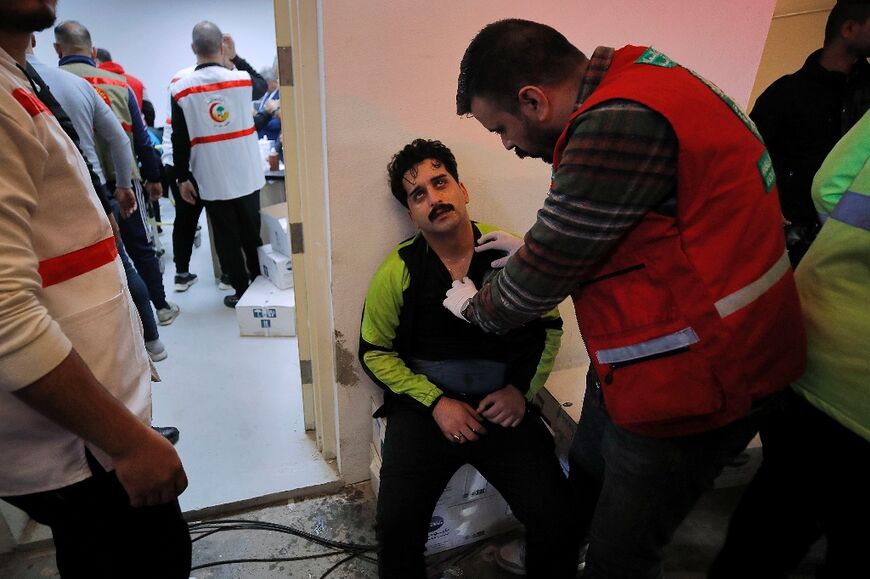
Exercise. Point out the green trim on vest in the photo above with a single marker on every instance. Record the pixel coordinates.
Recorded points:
(655, 58)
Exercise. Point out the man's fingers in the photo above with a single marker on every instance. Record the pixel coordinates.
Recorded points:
(500, 262)
(468, 434)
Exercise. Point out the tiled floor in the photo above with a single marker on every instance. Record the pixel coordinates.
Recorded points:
(237, 400)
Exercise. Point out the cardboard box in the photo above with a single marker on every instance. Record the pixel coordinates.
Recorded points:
(379, 430)
(275, 219)
(277, 267)
(561, 400)
(265, 310)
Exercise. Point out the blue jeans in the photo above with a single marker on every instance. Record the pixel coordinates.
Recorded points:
(139, 293)
(135, 236)
(633, 491)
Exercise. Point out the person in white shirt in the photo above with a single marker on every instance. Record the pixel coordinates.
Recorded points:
(214, 141)
(76, 452)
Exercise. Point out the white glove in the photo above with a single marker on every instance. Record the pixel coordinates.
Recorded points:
(458, 297)
(502, 241)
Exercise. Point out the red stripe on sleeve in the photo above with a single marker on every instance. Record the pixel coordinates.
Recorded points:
(28, 100)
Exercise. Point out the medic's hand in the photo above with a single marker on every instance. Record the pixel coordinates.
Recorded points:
(126, 199)
(505, 407)
(154, 189)
(502, 241)
(458, 296)
(150, 471)
(457, 420)
(272, 106)
(187, 191)
(116, 233)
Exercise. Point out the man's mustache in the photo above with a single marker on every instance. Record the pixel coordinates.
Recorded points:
(439, 209)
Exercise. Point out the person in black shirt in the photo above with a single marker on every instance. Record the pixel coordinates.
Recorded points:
(454, 394)
(802, 115)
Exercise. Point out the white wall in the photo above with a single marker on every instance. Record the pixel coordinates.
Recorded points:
(151, 39)
(390, 76)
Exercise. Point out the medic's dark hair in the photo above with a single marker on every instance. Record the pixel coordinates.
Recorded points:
(509, 54)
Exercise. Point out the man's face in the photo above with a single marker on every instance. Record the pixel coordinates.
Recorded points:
(27, 15)
(436, 202)
(858, 38)
(519, 134)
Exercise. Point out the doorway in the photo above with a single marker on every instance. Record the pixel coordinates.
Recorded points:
(257, 415)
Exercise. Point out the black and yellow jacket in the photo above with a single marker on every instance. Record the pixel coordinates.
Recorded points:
(403, 318)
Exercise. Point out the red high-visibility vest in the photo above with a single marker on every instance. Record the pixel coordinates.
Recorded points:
(693, 317)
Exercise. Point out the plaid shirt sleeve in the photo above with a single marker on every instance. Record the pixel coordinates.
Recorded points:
(619, 163)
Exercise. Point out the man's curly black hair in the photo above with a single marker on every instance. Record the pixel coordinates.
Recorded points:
(413, 154)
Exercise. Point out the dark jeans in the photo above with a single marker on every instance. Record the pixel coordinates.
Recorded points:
(520, 462)
(139, 293)
(633, 491)
(186, 220)
(98, 535)
(813, 481)
(134, 232)
(236, 229)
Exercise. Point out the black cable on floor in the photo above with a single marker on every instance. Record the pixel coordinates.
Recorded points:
(263, 560)
(352, 550)
(337, 565)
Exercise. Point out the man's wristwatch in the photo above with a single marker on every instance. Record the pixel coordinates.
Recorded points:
(464, 311)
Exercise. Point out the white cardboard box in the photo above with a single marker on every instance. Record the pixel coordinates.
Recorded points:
(265, 310)
(275, 218)
(561, 400)
(276, 266)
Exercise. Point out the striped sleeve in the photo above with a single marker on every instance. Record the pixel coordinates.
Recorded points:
(619, 163)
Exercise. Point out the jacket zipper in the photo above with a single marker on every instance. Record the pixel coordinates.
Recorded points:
(608, 379)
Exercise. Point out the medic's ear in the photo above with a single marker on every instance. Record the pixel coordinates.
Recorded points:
(534, 103)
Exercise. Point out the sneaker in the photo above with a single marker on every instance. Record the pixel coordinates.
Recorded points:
(231, 301)
(170, 433)
(183, 281)
(224, 283)
(156, 350)
(166, 316)
(581, 566)
(512, 556)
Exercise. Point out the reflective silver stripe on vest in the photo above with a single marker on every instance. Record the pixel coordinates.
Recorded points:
(853, 209)
(749, 293)
(660, 345)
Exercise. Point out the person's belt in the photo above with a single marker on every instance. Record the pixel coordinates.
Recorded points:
(75, 263)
